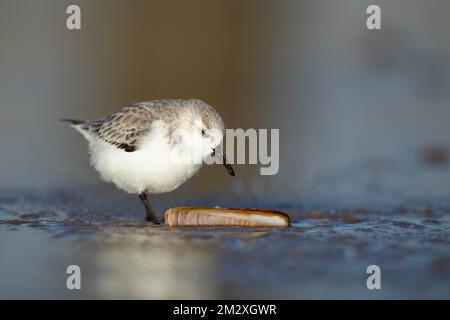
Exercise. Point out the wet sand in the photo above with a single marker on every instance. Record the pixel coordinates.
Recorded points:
(323, 255)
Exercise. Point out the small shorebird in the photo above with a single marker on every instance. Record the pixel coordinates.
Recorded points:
(154, 146)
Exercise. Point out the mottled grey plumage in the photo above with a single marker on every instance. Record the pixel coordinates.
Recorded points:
(166, 158)
(124, 127)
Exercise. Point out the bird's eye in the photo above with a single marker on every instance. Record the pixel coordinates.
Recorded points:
(203, 132)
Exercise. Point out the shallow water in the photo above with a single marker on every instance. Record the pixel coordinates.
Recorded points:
(323, 255)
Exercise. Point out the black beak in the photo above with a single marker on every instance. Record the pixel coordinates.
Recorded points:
(228, 166)
(217, 152)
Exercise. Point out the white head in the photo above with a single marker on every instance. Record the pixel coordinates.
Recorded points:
(205, 133)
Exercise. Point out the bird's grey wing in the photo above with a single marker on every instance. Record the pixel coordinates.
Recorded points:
(124, 127)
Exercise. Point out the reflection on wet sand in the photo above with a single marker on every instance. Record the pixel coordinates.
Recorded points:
(323, 255)
(155, 267)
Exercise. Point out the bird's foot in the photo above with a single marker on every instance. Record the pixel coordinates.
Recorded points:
(152, 218)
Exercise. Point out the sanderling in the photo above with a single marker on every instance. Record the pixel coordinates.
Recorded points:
(142, 148)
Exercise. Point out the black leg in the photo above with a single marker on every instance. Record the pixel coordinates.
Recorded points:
(149, 214)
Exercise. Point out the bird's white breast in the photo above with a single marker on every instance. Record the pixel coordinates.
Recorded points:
(155, 167)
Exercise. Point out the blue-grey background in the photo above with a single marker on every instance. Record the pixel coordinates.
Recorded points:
(338, 92)
(364, 127)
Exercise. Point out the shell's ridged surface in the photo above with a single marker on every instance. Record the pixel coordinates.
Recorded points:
(205, 216)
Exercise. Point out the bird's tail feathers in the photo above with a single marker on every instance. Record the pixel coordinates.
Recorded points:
(73, 121)
(81, 126)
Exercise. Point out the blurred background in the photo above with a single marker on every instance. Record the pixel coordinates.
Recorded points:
(338, 92)
(363, 118)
